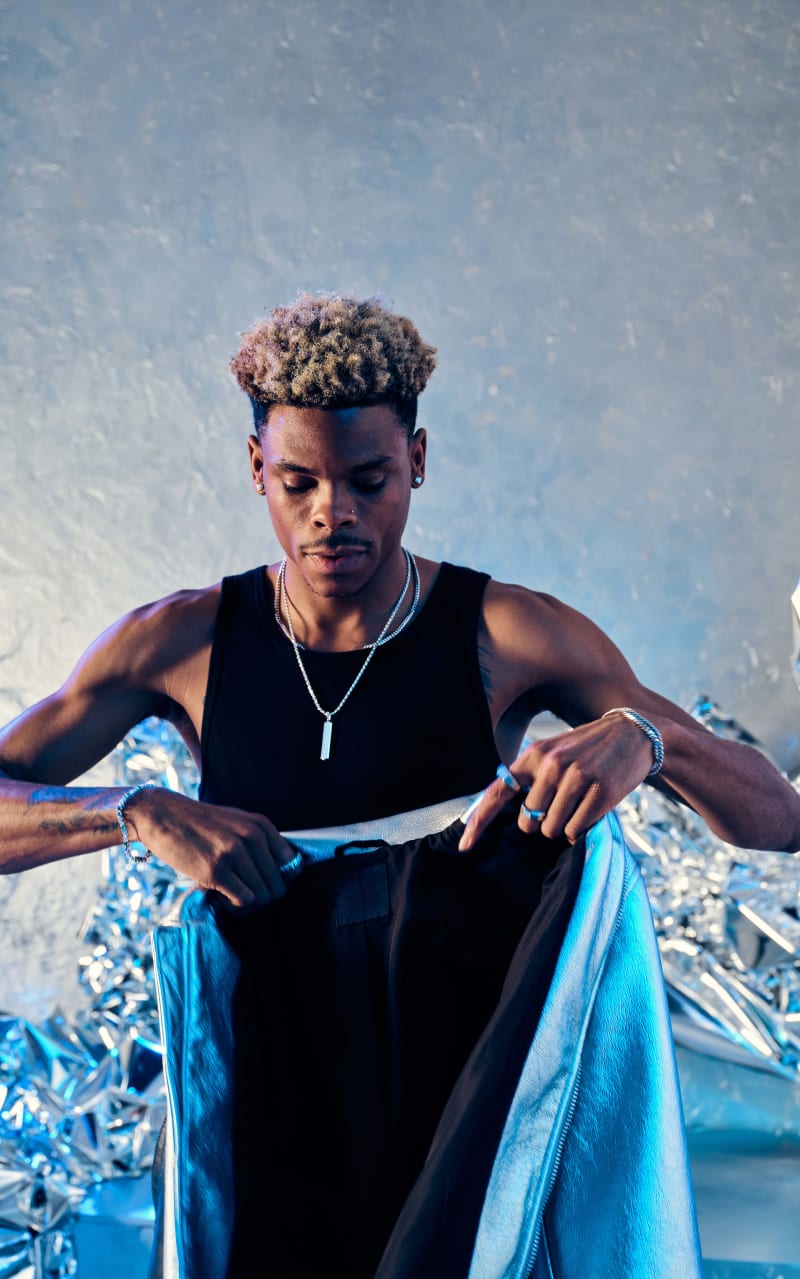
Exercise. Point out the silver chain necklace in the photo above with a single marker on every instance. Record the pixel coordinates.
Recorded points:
(327, 727)
(281, 593)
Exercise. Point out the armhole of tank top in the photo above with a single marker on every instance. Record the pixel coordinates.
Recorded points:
(264, 598)
(476, 583)
(226, 595)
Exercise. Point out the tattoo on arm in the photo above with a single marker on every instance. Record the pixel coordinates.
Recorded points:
(50, 795)
(90, 799)
(85, 820)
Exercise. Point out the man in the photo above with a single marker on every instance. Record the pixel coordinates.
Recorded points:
(349, 683)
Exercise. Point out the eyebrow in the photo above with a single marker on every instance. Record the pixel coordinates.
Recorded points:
(283, 464)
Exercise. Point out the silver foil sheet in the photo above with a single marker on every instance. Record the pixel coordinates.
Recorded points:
(82, 1101)
(728, 925)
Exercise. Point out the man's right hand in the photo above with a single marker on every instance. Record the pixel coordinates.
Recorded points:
(235, 853)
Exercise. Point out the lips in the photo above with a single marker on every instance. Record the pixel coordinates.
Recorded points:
(343, 560)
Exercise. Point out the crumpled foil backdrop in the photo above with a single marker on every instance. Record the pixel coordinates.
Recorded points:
(728, 926)
(82, 1101)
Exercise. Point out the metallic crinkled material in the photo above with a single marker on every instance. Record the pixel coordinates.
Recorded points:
(82, 1101)
(728, 925)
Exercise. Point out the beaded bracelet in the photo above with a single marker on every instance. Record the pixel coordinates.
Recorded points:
(649, 730)
(138, 858)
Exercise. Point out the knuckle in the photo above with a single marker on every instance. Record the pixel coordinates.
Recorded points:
(552, 768)
(597, 792)
(581, 773)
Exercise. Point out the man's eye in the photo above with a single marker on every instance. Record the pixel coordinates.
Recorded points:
(369, 486)
(297, 488)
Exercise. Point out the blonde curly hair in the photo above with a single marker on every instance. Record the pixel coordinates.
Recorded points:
(333, 351)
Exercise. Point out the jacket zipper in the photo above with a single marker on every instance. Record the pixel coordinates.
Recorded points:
(171, 1173)
(534, 1248)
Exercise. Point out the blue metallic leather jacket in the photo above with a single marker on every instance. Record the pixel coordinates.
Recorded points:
(590, 1177)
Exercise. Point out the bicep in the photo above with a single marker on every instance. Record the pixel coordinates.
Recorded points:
(585, 675)
(61, 737)
(68, 732)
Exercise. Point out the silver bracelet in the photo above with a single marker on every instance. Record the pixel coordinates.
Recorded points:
(649, 730)
(138, 858)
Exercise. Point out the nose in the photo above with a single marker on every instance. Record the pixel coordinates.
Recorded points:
(333, 508)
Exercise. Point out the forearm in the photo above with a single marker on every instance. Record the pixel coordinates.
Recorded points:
(735, 789)
(40, 824)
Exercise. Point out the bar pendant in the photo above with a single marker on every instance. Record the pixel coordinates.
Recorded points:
(327, 734)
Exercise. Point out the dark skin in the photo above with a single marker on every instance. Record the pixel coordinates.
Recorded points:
(338, 487)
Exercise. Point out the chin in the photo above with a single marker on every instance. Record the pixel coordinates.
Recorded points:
(335, 590)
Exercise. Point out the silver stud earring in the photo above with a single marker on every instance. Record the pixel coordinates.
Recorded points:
(259, 486)
(417, 480)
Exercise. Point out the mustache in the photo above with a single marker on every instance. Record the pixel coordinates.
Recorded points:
(336, 543)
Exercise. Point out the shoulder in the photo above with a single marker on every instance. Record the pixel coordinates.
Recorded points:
(539, 640)
(515, 616)
(146, 663)
(145, 644)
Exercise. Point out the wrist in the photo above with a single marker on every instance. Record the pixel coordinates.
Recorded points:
(650, 731)
(132, 820)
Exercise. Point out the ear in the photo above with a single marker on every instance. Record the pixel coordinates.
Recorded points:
(256, 458)
(417, 450)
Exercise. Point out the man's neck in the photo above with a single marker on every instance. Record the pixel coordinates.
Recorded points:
(341, 623)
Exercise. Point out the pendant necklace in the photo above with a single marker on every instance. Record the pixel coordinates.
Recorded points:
(383, 638)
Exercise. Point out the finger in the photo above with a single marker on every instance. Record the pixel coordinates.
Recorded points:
(286, 857)
(556, 787)
(538, 800)
(530, 818)
(233, 889)
(282, 850)
(491, 802)
(571, 794)
(266, 861)
(290, 869)
(250, 862)
(589, 811)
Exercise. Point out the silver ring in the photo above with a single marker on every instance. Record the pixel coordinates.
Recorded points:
(292, 868)
(507, 777)
(532, 814)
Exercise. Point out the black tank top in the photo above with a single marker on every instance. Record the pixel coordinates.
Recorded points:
(415, 731)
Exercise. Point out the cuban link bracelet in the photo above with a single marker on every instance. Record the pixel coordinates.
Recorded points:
(123, 826)
(327, 727)
(649, 730)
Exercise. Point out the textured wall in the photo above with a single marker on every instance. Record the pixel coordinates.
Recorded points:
(590, 208)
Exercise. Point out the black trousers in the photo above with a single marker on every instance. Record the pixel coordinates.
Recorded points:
(383, 1011)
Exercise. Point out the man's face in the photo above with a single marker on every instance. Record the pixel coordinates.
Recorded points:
(338, 485)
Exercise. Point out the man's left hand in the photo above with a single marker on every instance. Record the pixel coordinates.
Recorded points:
(573, 779)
